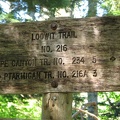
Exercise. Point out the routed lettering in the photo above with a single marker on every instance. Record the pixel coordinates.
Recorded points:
(79, 73)
(23, 63)
(41, 36)
(44, 61)
(22, 75)
(53, 35)
(67, 34)
(4, 63)
(61, 48)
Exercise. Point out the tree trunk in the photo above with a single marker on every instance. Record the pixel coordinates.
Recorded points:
(92, 8)
(92, 97)
(57, 106)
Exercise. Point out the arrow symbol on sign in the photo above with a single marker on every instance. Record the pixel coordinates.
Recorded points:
(112, 58)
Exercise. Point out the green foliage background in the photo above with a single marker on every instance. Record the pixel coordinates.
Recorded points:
(20, 106)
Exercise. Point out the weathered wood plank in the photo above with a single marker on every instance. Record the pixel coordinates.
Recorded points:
(73, 55)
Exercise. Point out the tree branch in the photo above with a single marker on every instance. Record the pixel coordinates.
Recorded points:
(85, 112)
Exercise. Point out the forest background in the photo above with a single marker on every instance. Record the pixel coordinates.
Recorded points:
(29, 106)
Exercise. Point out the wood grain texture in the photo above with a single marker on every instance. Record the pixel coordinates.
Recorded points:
(71, 55)
(57, 106)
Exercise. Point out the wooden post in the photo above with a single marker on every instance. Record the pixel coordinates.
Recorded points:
(57, 106)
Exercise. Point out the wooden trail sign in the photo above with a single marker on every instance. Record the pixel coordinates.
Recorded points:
(71, 55)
